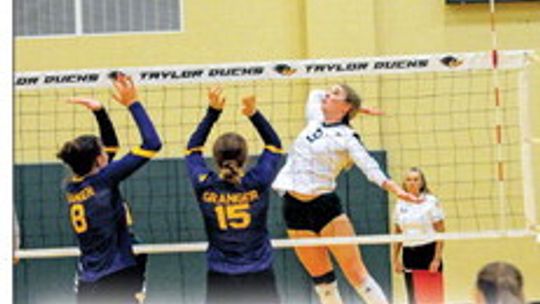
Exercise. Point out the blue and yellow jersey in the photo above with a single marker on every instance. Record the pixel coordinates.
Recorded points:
(235, 215)
(107, 133)
(111, 146)
(96, 207)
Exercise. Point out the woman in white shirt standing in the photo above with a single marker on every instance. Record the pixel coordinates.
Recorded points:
(311, 208)
(418, 219)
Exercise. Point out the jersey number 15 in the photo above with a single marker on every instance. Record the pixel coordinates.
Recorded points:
(233, 216)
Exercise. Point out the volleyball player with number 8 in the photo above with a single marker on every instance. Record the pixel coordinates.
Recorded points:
(110, 143)
(234, 206)
(108, 270)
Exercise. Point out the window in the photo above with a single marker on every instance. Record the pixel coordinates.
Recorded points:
(106, 16)
(77, 17)
(44, 17)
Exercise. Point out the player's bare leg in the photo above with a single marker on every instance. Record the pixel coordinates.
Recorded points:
(316, 261)
(350, 260)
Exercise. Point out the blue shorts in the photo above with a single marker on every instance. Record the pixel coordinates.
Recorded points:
(247, 288)
(119, 287)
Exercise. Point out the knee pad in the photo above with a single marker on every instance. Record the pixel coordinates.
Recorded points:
(326, 278)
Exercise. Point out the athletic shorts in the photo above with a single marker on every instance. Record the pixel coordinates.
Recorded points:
(120, 287)
(419, 257)
(256, 287)
(313, 215)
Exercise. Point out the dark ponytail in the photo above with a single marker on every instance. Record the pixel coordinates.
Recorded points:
(231, 171)
(80, 153)
(230, 153)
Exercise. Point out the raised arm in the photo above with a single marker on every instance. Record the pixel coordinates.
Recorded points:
(215, 107)
(196, 166)
(126, 94)
(106, 128)
(107, 133)
(264, 172)
(313, 106)
(263, 127)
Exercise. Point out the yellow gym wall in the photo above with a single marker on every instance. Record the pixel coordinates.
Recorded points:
(213, 32)
(263, 30)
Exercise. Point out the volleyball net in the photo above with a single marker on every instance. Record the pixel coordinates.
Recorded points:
(440, 115)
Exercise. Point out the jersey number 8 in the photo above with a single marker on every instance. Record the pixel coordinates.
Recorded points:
(233, 216)
(78, 218)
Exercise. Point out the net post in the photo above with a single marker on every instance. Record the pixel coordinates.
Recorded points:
(526, 149)
(527, 161)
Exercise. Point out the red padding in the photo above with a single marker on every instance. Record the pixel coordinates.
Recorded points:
(428, 287)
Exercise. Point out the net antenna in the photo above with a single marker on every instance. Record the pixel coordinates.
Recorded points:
(527, 140)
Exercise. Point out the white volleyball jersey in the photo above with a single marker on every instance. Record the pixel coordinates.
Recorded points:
(416, 219)
(321, 152)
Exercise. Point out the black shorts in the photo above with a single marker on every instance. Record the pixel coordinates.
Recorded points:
(312, 215)
(419, 257)
(119, 287)
(256, 287)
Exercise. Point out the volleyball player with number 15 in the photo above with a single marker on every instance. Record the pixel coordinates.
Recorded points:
(234, 206)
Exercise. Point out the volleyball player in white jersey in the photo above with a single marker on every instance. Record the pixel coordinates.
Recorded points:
(325, 147)
(417, 219)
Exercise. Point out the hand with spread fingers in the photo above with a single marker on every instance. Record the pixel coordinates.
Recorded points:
(216, 100)
(249, 105)
(90, 104)
(125, 90)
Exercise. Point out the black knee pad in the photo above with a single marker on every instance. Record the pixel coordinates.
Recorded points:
(326, 278)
